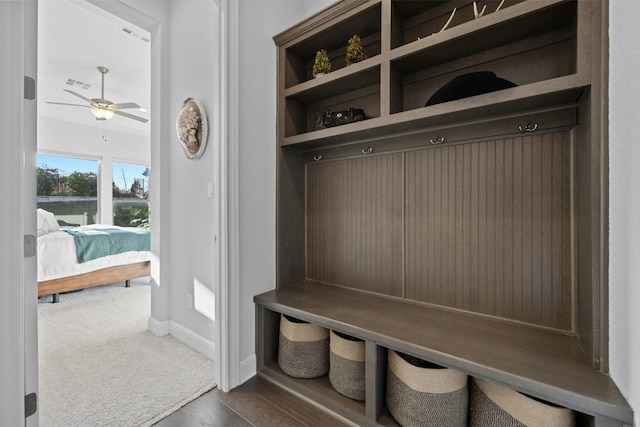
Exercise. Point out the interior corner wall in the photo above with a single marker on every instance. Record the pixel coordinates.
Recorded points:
(258, 22)
(182, 62)
(624, 203)
(191, 73)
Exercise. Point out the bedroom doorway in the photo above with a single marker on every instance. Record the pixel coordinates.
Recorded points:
(19, 44)
(152, 17)
(69, 74)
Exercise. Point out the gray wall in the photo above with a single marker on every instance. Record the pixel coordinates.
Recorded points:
(624, 202)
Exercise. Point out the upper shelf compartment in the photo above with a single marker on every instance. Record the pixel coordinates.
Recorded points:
(562, 91)
(528, 42)
(299, 58)
(533, 44)
(414, 20)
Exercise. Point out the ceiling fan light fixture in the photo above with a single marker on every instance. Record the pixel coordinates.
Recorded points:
(101, 108)
(102, 114)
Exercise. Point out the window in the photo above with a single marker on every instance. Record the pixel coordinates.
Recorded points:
(68, 187)
(130, 195)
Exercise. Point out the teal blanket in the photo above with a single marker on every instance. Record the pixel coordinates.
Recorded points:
(92, 243)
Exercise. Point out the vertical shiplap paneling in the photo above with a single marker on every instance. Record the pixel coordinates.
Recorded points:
(517, 228)
(488, 228)
(354, 223)
(565, 143)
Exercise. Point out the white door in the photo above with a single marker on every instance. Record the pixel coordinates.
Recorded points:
(30, 268)
(18, 287)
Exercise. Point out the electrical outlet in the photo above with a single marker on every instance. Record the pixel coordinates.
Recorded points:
(190, 301)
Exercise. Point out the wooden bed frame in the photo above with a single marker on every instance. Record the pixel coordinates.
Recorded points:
(93, 278)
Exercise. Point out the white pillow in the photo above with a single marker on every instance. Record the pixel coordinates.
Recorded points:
(47, 222)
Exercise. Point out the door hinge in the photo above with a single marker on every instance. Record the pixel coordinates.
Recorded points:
(30, 404)
(29, 88)
(29, 245)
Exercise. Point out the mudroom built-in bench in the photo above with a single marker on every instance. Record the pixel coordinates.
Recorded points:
(468, 232)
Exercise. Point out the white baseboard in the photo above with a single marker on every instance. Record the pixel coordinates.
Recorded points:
(193, 340)
(247, 369)
(182, 334)
(157, 328)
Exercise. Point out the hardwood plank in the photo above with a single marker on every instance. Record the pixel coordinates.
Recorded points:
(256, 410)
(206, 410)
(257, 402)
(301, 410)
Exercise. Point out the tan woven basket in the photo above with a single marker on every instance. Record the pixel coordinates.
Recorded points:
(303, 350)
(347, 365)
(495, 405)
(426, 396)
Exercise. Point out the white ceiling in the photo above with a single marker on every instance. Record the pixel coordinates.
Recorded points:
(74, 38)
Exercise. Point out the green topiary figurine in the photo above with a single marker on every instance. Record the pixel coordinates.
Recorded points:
(354, 51)
(321, 65)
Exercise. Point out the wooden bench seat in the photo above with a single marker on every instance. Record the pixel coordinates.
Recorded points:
(539, 362)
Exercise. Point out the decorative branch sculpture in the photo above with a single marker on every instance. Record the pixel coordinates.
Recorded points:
(475, 10)
(449, 21)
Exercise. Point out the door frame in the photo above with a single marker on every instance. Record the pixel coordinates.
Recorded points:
(18, 287)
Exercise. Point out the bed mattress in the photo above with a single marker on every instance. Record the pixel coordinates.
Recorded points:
(57, 257)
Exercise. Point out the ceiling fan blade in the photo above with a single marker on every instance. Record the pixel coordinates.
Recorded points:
(66, 103)
(78, 95)
(131, 116)
(126, 105)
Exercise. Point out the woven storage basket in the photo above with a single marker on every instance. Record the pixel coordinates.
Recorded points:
(303, 350)
(346, 365)
(422, 394)
(495, 405)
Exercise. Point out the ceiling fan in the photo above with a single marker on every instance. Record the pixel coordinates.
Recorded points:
(101, 108)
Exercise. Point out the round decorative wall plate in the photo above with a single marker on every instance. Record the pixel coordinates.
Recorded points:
(192, 128)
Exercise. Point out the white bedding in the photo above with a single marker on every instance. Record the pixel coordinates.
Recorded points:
(57, 257)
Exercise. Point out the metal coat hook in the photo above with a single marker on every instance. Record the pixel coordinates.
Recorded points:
(317, 158)
(437, 140)
(367, 150)
(528, 127)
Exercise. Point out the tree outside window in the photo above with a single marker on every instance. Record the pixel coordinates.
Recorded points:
(67, 187)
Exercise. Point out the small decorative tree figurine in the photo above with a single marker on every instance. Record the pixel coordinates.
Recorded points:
(354, 51)
(321, 65)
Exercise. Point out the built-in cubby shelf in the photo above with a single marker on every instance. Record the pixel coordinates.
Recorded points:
(507, 352)
(469, 232)
(333, 38)
(552, 93)
(510, 42)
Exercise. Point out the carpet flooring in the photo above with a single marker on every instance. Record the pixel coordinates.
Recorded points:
(99, 366)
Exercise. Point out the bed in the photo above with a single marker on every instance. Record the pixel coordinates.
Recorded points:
(73, 258)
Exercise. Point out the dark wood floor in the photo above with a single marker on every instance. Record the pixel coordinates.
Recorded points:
(256, 403)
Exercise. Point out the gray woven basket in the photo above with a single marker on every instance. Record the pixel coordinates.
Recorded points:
(347, 365)
(426, 397)
(303, 350)
(495, 405)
